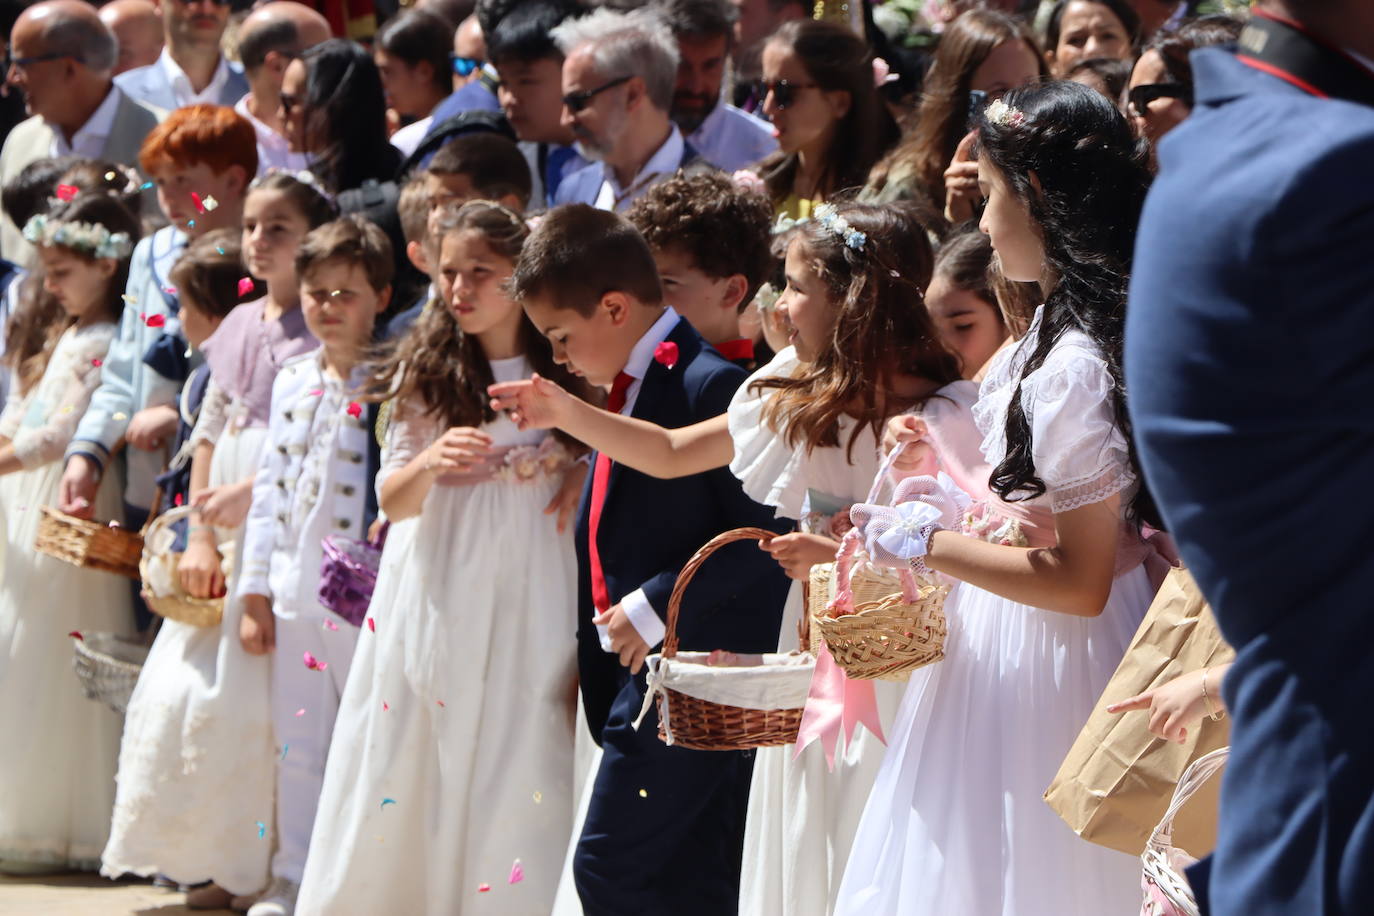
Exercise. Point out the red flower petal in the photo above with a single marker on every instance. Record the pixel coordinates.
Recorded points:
(155, 321)
(372, 625)
(66, 192)
(76, 634)
(245, 285)
(666, 353)
(355, 409)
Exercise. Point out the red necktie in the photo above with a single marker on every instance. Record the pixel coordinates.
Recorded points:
(601, 475)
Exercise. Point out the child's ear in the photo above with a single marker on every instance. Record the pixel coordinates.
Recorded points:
(239, 178)
(736, 287)
(107, 267)
(511, 202)
(416, 253)
(383, 299)
(616, 306)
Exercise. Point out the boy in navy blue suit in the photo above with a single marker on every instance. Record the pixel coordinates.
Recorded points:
(665, 825)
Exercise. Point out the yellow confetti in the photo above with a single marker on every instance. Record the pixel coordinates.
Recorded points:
(109, 176)
(132, 300)
(66, 408)
(538, 797)
(121, 415)
(643, 793)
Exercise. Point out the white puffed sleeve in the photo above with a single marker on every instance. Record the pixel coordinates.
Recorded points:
(409, 431)
(213, 417)
(1078, 449)
(765, 465)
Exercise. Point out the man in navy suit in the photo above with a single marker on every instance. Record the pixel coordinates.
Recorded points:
(1250, 363)
(665, 826)
(191, 69)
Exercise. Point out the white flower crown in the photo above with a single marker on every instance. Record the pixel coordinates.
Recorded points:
(829, 217)
(304, 176)
(91, 238)
(1003, 115)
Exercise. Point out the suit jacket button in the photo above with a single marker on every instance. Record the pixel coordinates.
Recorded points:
(348, 489)
(344, 524)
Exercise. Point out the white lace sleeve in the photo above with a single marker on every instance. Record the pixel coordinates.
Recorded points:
(1078, 449)
(409, 432)
(213, 416)
(77, 368)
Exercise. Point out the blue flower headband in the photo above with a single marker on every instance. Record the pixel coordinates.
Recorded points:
(90, 238)
(829, 217)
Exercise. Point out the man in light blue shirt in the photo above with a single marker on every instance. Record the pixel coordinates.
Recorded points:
(725, 136)
(191, 69)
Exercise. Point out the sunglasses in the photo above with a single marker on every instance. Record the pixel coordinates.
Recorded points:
(576, 101)
(1140, 97)
(23, 63)
(783, 92)
(463, 66)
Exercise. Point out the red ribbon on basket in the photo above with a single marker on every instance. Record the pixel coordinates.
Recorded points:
(836, 702)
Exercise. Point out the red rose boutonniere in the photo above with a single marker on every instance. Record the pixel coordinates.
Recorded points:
(666, 353)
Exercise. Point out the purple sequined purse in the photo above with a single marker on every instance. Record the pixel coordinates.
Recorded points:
(348, 574)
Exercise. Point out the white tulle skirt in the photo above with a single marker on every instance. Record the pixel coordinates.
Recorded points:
(197, 764)
(956, 824)
(58, 750)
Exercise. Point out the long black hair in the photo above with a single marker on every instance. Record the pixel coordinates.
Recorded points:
(345, 103)
(1092, 176)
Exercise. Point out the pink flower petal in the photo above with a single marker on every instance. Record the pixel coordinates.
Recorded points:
(155, 321)
(331, 625)
(385, 706)
(245, 285)
(372, 625)
(517, 873)
(355, 409)
(313, 663)
(97, 363)
(195, 199)
(66, 192)
(300, 712)
(483, 888)
(666, 353)
(76, 634)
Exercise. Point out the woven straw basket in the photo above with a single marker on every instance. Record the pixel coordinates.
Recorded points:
(1166, 890)
(93, 545)
(705, 724)
(107, 666)
(162, 589)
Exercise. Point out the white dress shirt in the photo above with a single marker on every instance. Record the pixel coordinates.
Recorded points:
(732, 139)
(409, 137)
(181, 83)
(89, 140)
(662, 164)
(273, 150)
(635, 605)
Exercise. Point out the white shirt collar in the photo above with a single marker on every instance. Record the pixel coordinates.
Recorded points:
(181, 83)
(89, 140)
(274, 151)
(665, 161)
(710, 126)
(643, 353)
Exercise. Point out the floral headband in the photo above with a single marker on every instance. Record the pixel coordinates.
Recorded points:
(90, 238)
(829, 217)
(1003, 115)
(304, 176)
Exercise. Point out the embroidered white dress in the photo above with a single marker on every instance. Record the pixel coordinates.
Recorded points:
(197, 763)
(452, 755)
(802, 817)
(57, 757)
(955, 824)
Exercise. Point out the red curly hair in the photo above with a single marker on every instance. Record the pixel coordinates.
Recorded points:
(210, 134)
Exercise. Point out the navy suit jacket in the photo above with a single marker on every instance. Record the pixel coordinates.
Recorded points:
(650, 528)
(1250, 366)
(150, 86)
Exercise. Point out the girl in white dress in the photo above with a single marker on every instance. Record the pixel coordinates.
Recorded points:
(57, 760)
(450, 779)
(802, 436)
(1052, 595)
(197, 764)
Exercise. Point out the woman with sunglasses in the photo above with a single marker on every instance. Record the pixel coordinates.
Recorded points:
(831, 125)
(1160, 93)
(982, 54)
(413, 54)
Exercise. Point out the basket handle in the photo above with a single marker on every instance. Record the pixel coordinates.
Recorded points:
(1198, 772)
(156, 523)
(684, 578)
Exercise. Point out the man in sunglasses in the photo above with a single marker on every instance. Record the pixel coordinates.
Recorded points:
(619, 71)
(61, 57)
(271, 37)
(191, 69)
(726, 137)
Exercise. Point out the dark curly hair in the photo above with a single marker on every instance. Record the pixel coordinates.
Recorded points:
(448, 369)
(724, 227)
(1091, 175)
(881, 328)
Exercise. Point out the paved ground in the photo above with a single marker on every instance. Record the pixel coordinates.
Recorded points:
(90, 895)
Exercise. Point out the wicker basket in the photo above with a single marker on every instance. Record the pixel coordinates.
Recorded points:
(94, 545)
(888, 623)
(1166, 890)
(162, 589)
(107, 666)
(706, 725)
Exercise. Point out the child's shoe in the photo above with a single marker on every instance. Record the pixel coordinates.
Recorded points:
(278, 900)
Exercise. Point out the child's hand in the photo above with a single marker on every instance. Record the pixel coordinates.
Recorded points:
(152, 427)
(569, 494)
(625, 639)
(459, 449)
(258, 628)
(77, 489)
(227, 505)
(199, 569)
(1173, 706)
(917, 455)
(374, 530)
(796, 553)
(961, 182)
(534, 403)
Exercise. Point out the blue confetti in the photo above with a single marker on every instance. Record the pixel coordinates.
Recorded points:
(388, 801)
(284, 749)
(262, 829)
(220, 249)
(190, 224)
(146, 186)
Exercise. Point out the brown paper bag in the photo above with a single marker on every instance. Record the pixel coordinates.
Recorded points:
(1117, 780)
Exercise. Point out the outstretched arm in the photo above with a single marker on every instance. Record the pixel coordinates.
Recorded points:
(537, 403)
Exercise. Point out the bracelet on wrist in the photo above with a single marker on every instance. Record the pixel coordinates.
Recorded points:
(1213, 714)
